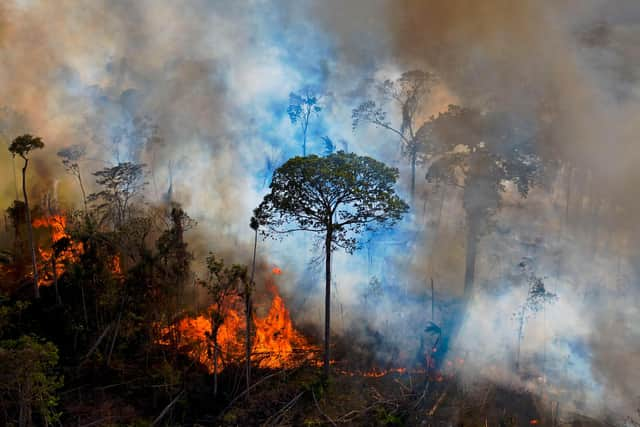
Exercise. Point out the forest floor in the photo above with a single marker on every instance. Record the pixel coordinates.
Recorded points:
(299, 398)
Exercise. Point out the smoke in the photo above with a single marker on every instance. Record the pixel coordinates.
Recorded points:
(574, 66)
(198, 91)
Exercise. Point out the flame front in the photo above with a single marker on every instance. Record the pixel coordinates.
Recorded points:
(57, 226)
(276, 343)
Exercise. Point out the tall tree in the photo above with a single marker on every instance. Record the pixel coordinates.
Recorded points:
(479, 152)
(71, 157)
(302, 106)
(254, 224)
(22, 146)
(338, 197)
(407, 92)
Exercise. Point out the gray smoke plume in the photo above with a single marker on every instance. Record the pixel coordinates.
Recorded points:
(198, 91)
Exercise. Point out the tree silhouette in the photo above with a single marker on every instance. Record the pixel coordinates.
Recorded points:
(301, 107)
(254, 224)
(408, 92)
(70, 160)
(22, 146)
(121, 184)
(338, 197)
(538, 298)
(479, 153)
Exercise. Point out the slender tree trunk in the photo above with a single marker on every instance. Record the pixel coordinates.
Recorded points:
(15, 180)
(30, 229)
(327, 301)
(84, 306)
(249, 311)
(520, 333)
(433, 302)
(84, 194)
(215, 364)
(21, 416)
(305, 126)
(55, 279)
(115, 334)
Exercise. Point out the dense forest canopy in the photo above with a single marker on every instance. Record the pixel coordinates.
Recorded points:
(139, 137)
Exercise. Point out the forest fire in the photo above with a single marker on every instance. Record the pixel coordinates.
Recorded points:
(360, 213)
(61, 251)
(276, 342)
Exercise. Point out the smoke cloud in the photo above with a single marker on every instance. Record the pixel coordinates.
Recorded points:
(198, 91)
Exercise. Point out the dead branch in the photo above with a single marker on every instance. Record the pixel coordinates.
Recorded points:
(98, 341)
(320, 410)
(277, 417)
(235, 399)
(438, 402)
(166, 408)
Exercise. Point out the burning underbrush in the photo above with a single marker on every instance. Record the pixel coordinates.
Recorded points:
(63, 250)
(56, 249)
(276, 343)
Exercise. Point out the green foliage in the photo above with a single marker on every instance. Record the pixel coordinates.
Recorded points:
(28, 381)
(9, 315)
(24, 144)
(343, 193)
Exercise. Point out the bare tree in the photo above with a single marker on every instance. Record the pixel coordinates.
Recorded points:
(408, 93)
(249, 287)
(302, 106)
(71, 157)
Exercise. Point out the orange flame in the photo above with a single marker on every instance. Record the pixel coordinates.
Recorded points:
(276, 344)
(57, 225)
(276, 338)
